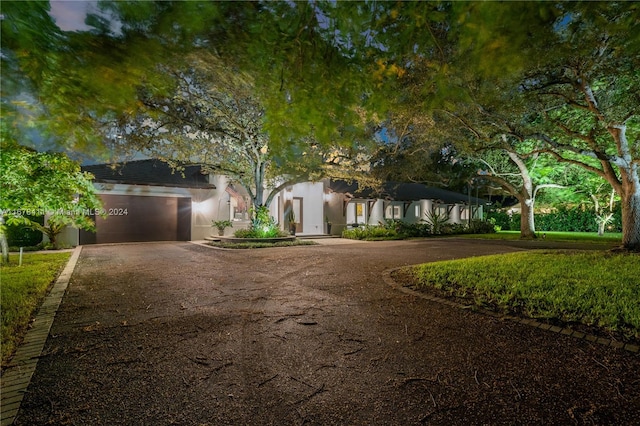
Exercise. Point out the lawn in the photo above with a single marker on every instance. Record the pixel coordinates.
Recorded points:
(23, 289)
(553, 236)
(594, 288)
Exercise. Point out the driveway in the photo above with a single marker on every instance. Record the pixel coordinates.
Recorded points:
(177, 333)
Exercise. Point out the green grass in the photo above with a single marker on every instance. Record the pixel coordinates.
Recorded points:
(552, 236)
(599, 289)
(22, 290)
(255, 245)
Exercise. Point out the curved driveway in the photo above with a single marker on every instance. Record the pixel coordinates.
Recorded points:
(177, 333)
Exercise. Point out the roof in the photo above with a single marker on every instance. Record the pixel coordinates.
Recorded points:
(149, 172)
(398, 191)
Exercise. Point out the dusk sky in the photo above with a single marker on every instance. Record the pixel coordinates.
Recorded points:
(70, 15)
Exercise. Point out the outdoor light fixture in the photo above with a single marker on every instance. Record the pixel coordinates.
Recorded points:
(326, 196)
(288, 195)
(199, 206)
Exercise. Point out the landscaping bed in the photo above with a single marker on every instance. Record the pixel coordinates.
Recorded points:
(252, 243)
(252, 240)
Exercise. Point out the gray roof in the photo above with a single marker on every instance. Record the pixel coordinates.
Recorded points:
(397, 191)
(149, 172)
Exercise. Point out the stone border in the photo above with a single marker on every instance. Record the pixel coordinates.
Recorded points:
(386, 276)
(17, 376)
(251, 240)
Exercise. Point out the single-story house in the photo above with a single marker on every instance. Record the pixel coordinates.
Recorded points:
(146, 200)
(409, 202)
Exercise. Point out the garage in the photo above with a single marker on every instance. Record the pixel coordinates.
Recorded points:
(137, 218)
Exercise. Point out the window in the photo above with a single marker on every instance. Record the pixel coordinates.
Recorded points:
(360, 213)
(393, 212)
(417, 211)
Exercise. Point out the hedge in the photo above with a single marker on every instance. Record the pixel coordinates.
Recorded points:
(564, 219)
(23, 236)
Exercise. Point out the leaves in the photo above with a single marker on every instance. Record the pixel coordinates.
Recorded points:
(38, 183)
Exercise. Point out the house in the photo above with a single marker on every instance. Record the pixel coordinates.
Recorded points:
(146, 200)
(345, 204)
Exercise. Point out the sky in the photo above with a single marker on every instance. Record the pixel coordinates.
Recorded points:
(70, 14)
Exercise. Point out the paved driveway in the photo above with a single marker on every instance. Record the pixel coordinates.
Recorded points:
(176, 333)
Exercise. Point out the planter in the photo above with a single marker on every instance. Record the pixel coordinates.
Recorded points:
(255, 240)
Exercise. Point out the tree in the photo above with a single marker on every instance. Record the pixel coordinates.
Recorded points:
(215, 118)
(563, 74)
(304, 72)
(309, 106)
(38, 184)
(578, 68)
(503, 155)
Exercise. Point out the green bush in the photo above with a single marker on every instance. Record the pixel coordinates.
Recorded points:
(262, 226)
(436, 221)
(453, 229)
(398, 229)
(371, 232)
(260, 233)
(564, 219)
(23, 236)
(505, 221)
(406, 229)
(481, 227)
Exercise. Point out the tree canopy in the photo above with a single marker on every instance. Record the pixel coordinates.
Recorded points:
(558, 76)
(43, 184)
(216, 119)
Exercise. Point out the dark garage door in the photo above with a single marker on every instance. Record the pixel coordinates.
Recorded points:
(135, 218)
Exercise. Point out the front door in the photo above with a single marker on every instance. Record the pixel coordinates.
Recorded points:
(297, 211)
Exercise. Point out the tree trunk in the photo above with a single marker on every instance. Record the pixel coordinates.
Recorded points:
(5, 248)
(631, 214)
(4, 244)
(527, 224)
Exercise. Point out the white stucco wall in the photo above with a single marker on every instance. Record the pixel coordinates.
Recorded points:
(412, 216)
(313, 209)
(377, 213)
(454, 214)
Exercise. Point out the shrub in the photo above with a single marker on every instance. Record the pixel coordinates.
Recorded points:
(371, 232)
(482, 227)
(407, 229)
(452, 228)
(260, 233)
(262, 226)
(436, 221)
(397, 229)
(24, 236)
(564, 219)
(504, 221)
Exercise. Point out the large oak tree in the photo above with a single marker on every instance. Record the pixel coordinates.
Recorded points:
(216, 118)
